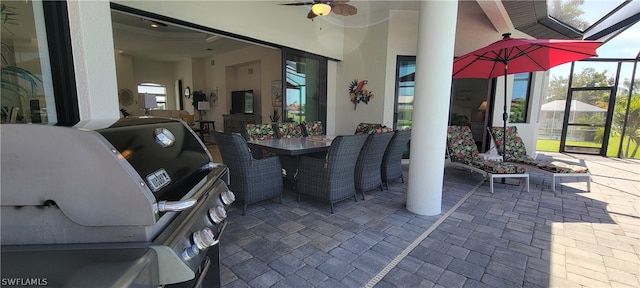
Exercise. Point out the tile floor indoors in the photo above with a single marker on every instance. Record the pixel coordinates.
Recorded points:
(511, 238)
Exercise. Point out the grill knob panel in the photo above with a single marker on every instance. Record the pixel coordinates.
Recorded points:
(217, 214)
(204, 239)
(190, 252)
(227, 197)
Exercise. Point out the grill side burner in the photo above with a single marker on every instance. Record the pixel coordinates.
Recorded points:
(140, 194)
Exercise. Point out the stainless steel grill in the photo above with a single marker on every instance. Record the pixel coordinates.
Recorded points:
(135, 201)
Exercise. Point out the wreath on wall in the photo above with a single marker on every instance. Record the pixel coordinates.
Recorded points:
(358, 94)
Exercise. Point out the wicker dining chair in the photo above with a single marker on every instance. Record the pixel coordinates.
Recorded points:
(331, 178)
(251, 180)
(367, 175)
(391, 168)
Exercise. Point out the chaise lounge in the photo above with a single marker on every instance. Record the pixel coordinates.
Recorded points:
(463, 152)
(516, 152)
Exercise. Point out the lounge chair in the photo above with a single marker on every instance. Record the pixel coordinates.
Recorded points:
(516, 152)
(463, 152)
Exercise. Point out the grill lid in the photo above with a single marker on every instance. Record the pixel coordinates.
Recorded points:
(101, 177)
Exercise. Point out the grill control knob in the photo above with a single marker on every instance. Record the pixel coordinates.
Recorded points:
(227, 197)
(217, 214)
(190, 252)
(204, 239)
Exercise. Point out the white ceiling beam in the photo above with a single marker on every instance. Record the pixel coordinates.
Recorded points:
(497, 15)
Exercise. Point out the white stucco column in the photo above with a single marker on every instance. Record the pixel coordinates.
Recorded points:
(434, 63)
(93, 59)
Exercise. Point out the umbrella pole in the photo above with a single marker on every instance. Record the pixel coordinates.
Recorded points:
(505, 116)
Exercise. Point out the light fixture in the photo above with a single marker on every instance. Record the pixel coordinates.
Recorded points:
(321, 9)
(483, 109)
(483, 106)
(203, 107)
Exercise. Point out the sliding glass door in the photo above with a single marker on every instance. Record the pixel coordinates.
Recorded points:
(305, 87)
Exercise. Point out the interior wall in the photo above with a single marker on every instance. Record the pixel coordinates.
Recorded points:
(467, 96)
(223, 74)
(124, 76)
(245, 76)
(182, 70)
(159, 72)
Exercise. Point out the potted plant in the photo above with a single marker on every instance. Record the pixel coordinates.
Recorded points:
(275, 117)
(197, 97)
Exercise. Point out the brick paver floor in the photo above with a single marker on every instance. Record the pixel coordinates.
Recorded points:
(511, 238)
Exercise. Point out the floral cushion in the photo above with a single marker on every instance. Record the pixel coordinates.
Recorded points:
(260, 131)
(517, 152)
(382, 129)
(366, 128)
(462, 148)
(314, 128)
(289, 130)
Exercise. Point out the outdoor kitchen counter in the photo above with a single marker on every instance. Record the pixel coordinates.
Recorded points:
(74, 266)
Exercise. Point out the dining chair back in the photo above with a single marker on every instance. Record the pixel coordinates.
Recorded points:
(288, 130)
(259, 132)
(251, 180)
(313, 128)
(391, 168)
(367, 174)
(366, 128)
(331, 178)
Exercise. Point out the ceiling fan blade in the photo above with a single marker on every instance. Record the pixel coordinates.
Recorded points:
(298, 4)
(311, 15)
(344, 9)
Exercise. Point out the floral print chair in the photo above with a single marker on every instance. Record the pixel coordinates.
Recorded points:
(463, 152)
(313, 128)
(516, 152)
(366, 128)
(260, 132)
(288, 130)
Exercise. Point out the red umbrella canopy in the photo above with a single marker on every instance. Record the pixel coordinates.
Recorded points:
(521, 55)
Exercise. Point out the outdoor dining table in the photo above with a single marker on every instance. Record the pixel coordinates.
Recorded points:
(294, 146)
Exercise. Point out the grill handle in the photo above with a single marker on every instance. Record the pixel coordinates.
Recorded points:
(173, 206)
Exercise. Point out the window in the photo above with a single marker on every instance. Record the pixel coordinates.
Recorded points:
(27, 96)
(157, 90)
(520, 98)
(405, 84)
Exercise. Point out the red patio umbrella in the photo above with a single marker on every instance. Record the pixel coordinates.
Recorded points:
(518, 55)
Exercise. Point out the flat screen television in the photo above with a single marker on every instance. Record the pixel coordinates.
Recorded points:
(242, 102)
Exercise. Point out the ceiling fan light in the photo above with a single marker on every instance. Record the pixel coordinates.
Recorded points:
(321, 9)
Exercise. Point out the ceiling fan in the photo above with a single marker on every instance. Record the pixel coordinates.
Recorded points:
(323, 8)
